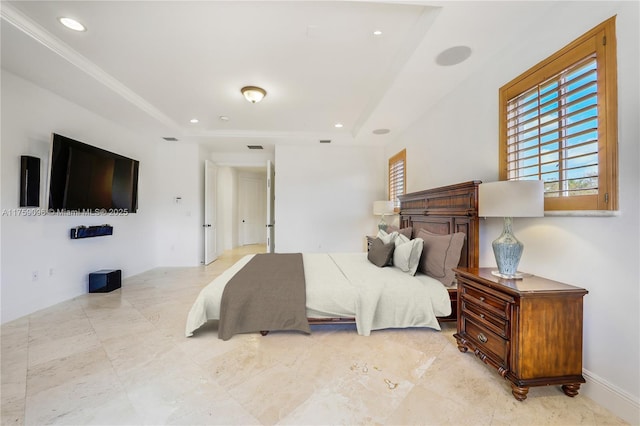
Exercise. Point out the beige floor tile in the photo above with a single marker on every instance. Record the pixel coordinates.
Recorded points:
(63, 347)
(75, 368)
(80, 399)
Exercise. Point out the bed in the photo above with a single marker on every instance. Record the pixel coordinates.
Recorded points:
(349, 288)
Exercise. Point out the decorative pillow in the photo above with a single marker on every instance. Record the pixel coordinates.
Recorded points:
(407, 232)
(440, 255)
(370, 240)
(406, 255)
(387, 237)
(380, 253)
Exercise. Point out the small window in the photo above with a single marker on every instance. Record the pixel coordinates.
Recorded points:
(397, 177)
(558, 124)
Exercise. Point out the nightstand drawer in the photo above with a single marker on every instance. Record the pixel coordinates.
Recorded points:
(488, 301)
(488, 342)
(495, 323)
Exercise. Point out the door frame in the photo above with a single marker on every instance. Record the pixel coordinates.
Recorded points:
(210, 212)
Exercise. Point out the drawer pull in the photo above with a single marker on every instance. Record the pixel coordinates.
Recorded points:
(481, 315)
(482, 338)
(481, 299)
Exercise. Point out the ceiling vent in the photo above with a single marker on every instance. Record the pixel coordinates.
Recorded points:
(170, 139)
(254, 146)
(325, 140)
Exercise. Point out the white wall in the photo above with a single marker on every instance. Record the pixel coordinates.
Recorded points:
(600, 254)
(180, 174)
(42, 244)
(325, 195)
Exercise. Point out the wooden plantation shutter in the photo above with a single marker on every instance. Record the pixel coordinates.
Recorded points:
(397, 177)
(559, 124)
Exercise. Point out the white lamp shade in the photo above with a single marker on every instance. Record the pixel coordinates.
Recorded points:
(382, 207)
(513, 198)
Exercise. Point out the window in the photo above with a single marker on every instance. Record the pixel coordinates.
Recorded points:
(558, 124)
(397, 177)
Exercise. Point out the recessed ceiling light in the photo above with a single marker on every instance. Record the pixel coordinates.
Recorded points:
(72, 24)
(337, 125)
(381, 131)
(194, 120)
(377, 33)
(224, 118)
(453, 55)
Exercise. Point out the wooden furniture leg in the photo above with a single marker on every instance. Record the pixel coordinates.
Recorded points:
(571, 389)
(519, 393)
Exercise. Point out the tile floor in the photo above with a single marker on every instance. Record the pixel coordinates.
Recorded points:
(122, 358)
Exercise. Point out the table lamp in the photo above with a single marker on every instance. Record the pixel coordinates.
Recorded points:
(509, 199)
(381, 208)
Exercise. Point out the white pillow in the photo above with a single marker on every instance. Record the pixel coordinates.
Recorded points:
(387, 238)
(406, 255)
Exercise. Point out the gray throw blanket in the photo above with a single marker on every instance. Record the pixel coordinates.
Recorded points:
(267, 294)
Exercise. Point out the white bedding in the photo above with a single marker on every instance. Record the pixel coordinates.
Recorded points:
(347, 285)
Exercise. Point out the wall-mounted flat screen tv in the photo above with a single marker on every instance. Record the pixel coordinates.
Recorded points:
(87, 178)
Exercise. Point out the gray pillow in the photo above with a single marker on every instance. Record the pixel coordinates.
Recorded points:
(407, 232)
(440, 255)
(380, 253)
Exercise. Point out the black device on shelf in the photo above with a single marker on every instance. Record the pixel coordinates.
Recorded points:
(90, 231)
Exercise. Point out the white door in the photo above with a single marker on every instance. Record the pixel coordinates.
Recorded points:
(270, 207)
(252, 210)
(209, 226)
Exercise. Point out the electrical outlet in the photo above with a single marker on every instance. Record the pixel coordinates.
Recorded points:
(34, 276)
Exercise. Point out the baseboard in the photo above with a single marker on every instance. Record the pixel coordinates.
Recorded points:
(614, 399)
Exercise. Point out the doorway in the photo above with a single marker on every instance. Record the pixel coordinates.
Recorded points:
(252, 209)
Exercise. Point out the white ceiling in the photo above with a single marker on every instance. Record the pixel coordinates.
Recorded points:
(154, 65)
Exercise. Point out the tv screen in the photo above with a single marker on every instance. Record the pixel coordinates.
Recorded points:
(87, 178)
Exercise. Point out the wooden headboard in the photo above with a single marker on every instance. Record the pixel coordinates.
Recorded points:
(445, 210)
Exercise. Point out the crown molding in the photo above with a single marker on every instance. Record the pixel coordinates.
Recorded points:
(20, 21)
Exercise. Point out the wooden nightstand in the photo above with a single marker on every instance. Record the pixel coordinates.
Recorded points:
(453, 299)
(530, 330)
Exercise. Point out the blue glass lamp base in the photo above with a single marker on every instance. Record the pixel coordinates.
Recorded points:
(508, 251)
(382, 225)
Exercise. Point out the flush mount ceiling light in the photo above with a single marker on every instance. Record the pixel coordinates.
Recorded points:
(338, 125)
(253, 94)
(72, 24)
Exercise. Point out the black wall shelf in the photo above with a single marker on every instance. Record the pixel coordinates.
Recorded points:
(90, 231)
